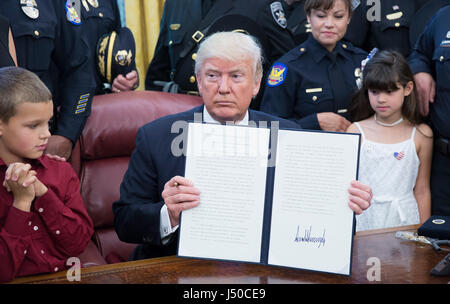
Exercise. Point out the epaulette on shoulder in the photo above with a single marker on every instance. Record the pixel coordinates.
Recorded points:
(347, 46)
(302, 50)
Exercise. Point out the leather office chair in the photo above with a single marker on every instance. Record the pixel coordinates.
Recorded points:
(101, 155)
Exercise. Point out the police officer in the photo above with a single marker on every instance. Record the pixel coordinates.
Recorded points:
(101, 17)
(383, 24)
(430, 63)
(313, 83)
(49, 42)
(185, 23)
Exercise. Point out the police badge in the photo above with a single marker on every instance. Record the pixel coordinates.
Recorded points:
(93, 3)
(29, 7)
(278, 14)
(86, 6)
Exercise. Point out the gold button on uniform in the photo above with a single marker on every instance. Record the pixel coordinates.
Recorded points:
(302, 49)
(314, 98)
(194, 56)
(344, 46)
(397, 24)
(441, 58)
(36, 33)
(100, 14)
(192, 79)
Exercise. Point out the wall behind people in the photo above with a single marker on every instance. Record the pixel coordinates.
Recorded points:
(142, 17)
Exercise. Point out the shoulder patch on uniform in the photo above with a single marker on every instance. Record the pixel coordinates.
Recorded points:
(278, 14)
(277, 75)
(73, 11)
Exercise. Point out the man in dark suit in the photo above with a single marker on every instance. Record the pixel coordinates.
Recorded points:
(154, 192)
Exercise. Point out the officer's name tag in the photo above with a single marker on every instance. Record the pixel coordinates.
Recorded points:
(445, 43)
(394, 16)
(314, 90)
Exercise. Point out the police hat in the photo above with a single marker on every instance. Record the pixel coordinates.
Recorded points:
(116, 54)
(241, 23)
(422, 17)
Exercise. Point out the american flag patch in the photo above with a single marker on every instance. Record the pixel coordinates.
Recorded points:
(399, 155)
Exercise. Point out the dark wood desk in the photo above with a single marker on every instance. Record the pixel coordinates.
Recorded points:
(401, 262)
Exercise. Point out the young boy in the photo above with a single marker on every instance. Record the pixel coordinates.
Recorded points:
(43, 220)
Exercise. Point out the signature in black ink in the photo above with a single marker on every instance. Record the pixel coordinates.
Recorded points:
(308, 238)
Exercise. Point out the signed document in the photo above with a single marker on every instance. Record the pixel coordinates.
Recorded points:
(312, 225)
(269, 196)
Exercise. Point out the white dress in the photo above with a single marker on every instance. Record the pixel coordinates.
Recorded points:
(391, 171)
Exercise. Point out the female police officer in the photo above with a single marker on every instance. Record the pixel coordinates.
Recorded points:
(313, 83)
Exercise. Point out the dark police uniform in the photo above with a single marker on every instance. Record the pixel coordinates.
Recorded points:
(182, 27)
(5, 56)
(49, 42)
(297, 23)
(432, 55)
(310, 80)
(391, 31)
(99, 18)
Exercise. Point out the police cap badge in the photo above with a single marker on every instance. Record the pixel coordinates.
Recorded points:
(115, 54)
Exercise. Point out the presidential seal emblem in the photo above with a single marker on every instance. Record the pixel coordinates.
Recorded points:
(278, 14)
(277, 75)
(29, 7)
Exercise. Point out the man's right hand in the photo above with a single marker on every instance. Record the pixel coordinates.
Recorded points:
(179, 194)
(426, 88)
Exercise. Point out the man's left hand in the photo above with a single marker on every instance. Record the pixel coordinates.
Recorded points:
(60, 146)
(128, 82)
(360, 196)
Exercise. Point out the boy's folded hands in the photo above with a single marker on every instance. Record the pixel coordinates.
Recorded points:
(24, 184)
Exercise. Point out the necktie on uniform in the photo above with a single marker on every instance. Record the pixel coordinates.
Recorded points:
(340, 90)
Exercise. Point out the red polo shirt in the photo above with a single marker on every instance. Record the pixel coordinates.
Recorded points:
(56, 228)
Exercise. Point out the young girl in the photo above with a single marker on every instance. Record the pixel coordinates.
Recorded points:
(396, 147)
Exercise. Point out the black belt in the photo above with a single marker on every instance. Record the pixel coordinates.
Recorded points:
(443, 146)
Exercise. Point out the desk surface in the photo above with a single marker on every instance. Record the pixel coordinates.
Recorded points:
(400, 262)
